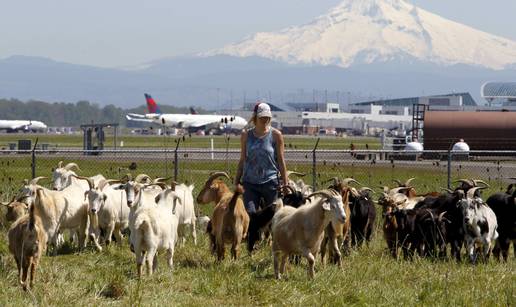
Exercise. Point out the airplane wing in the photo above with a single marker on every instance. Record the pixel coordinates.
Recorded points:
(196, 123)
(138, 119)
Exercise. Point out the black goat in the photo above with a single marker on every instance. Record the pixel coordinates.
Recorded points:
(504, 207)
(363, 217)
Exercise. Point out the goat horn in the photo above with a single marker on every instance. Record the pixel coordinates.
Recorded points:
(162, 185)
(295, 173)
(441, 215)
(471, 192)
(90, 182)
(347, 181)
(141, 177)
(431, 214)
(291, 189)
(161, 179)
(60, 164)
(326, 193)
(398, 182)
(215, 175)
(71, 165)
(407, 183)
(477, 181)
(35, 180)
(466, 181)
(104, 182)
(447, 190)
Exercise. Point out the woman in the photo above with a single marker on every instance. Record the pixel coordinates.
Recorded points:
(262, 152)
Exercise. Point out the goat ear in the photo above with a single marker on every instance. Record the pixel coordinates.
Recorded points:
(326, 206)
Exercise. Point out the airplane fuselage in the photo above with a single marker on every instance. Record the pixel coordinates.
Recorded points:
(23, 125)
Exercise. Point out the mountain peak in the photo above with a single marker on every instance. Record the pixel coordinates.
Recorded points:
(369, 31)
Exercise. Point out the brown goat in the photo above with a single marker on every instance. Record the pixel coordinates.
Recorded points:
(230, 221)
(15, 210)
(335, 232)
(27, 242)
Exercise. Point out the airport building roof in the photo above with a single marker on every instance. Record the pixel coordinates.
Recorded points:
(495, 90)
(467, 100)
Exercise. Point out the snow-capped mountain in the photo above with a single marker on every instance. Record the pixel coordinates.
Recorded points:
(372, 31)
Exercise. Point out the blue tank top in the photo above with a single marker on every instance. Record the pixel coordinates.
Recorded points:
(261, 164)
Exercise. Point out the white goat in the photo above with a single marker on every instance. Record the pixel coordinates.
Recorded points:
(107, 209)
(154, 227)
(300, 231)
(59, 209)
(185, 212)
(480, 224)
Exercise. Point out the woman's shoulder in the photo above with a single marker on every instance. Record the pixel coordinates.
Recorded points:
(276, 132)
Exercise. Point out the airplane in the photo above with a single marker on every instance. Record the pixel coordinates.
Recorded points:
(192, 121)
(22, 125)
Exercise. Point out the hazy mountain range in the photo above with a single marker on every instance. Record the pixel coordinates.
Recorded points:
(381, 48)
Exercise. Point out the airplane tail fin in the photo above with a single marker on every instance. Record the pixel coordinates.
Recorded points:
(152, 106)
(192, 111)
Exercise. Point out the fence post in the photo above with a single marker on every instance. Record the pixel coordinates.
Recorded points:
(176, 160)
(33, 164)
(449, 167)
(314, 165)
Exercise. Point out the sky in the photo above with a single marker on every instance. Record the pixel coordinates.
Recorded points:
(125, 33)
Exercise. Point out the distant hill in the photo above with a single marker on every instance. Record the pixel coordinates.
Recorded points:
(365, 48)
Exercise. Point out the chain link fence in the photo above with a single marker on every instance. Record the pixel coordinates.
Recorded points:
(433, 170)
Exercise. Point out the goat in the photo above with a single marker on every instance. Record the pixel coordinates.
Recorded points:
(480, 224)
(230, 221)
(504, 207)
(27, 242)
(59, 209)
(363, 216)
(154, 227)
(336, 231)
(107, 209)
(300, 231)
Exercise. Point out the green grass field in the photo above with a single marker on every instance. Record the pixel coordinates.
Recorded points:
(219, 142)
(369, 276)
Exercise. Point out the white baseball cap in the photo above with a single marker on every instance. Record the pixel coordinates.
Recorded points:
(263, 110)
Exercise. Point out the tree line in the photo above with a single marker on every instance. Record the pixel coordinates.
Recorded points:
(65, 114)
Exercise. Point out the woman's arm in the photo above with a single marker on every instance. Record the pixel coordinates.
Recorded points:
(243, 152)
(280, 151)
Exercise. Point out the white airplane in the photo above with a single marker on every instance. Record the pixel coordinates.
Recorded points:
(219, 122)
(22, 125)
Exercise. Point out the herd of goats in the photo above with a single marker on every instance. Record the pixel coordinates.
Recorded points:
(160, 213)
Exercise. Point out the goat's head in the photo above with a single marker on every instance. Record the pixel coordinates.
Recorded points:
(61, 175)
(15, 210)
(469, 205)
(96, 195)
(27, 192)
(212, 188)
(168, 197)
(132, 187)
(332, 204)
